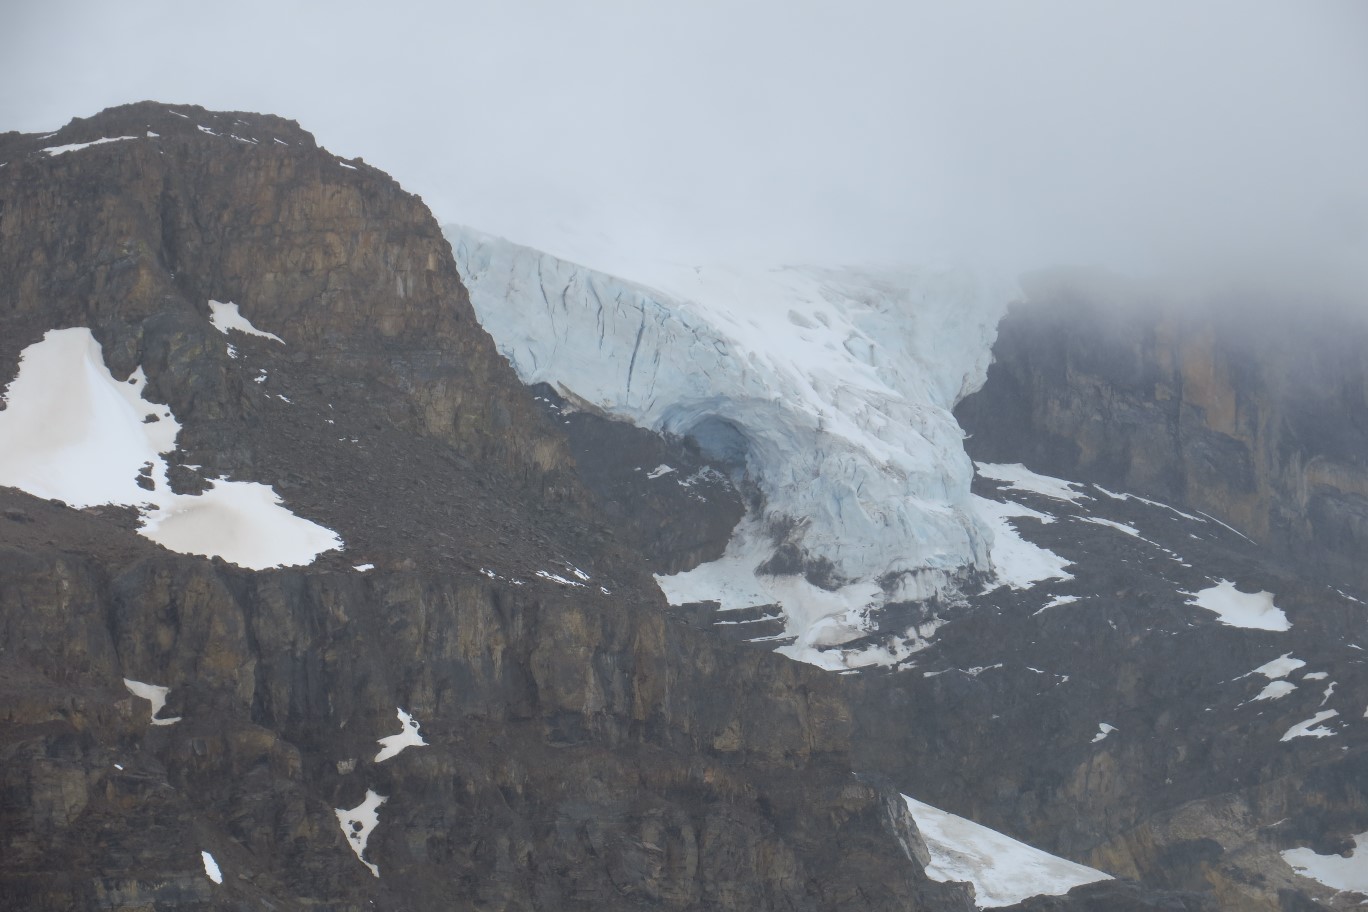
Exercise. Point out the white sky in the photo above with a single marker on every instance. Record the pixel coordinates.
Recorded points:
(1012, 133)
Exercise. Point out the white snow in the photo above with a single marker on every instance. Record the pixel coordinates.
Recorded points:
(242, 522)
(1316, 675)
(830, 388)
(1017, 562)
(347, 166)
(1251, 610)
(1057, 601)
(1275, 690)
(1335, 871)
(1280, 667)
(226, 317)
(659, 470)
(70, 431)
(362, 568)
(1311, 728)
(393, 745)
(1002, 870)
(357, 824)
(1103, 729)
(74, 147)
(211, 868)
(1153, 503)
(1120, 527)
(1019, 478)
(154, 694)
(557, 578)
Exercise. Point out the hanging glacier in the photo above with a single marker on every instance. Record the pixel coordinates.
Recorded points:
(828, 389)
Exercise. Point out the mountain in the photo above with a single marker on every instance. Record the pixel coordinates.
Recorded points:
(347, 562)
(294, 322)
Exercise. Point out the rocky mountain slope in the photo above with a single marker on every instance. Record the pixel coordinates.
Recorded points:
(454, 681)
(581, 749)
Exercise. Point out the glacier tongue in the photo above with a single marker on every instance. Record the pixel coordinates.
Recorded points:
(831, 389)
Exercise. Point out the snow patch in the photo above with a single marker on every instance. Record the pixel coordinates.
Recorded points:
(1275, 690)
(1019, 478)
(1335, 871)
(393, 745)
(242, 522)
(1251, 610)
(1016, 562)
(72, 432)
(226, 317)
(1311, 728)
(1280, 667)
(211, 868)
(1103, 729)
(1002, 870)
(357, 824)
(154, 694)
(659, 471)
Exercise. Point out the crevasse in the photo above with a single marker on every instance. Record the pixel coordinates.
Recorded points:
(831, 389)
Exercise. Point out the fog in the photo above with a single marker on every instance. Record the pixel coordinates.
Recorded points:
(1212, 138)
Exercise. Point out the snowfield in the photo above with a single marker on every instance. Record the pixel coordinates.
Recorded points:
(830, 389)
(70, 431)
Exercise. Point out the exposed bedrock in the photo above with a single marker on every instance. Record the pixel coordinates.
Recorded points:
(1251, 410)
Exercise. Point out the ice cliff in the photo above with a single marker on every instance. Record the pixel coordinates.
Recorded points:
(828, 391)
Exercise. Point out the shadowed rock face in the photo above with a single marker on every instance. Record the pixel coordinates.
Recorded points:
(1254, 412)
(583, 749)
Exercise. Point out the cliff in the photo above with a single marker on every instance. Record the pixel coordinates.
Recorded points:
(1253, 410)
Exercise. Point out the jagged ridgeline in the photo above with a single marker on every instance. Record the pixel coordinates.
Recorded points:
(181, 732)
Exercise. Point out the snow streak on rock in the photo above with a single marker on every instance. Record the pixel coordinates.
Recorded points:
(829, 389)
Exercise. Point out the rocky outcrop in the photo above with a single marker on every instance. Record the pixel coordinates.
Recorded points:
(583, 750)
(1254, 411)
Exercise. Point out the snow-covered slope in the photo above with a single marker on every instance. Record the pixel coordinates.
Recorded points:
(829, 389)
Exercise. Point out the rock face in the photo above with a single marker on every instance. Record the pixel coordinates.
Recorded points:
(583, 750)
(1254, 412)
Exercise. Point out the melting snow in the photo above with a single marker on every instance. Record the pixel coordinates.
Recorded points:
(393, 745)
(211, 868)
(62, 150)
(358, 822)
(1316, 675)
(1103, 729)
(1019, 478)
(363, 567)
(154, 694)
(226, 317)
(70, 431)
(1002, 870)
(660, 470)
(1311, 727)
(1251, 610)
(1120, 527)
(1335, 871)
(1017, 562)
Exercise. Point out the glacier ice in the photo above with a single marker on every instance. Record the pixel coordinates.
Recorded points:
(829, 389)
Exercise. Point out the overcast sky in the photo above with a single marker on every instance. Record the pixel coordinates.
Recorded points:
(1025, 132)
